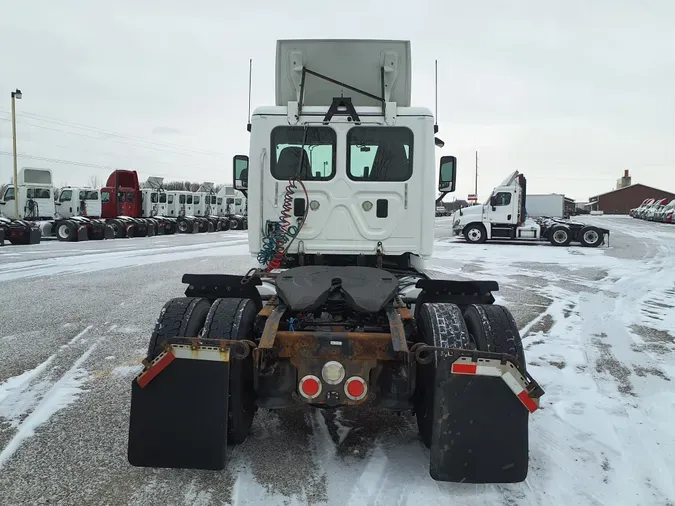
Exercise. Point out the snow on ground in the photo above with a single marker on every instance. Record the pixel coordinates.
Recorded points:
(598, 327)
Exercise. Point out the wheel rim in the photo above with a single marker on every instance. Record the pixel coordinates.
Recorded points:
(474, 235)
(64, 231)
(560, 236)
(590, 236)
(182, 226)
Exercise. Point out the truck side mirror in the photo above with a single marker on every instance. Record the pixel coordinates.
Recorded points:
(447, 175)
(493, 201)
(240, 171)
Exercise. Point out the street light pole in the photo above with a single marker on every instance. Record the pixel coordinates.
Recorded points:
(15, 95)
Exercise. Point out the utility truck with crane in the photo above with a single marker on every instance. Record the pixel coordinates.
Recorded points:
(341, 310)
(504, 217)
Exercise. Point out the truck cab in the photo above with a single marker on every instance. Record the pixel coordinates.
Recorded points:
(205, 203)
(121, 196)
(78, 201)
(35, 196)
(231, 201)
(155, 202)
(501, 216)
(342, 172)
(183, 203)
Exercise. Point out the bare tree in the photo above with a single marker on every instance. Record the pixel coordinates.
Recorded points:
(94, 182)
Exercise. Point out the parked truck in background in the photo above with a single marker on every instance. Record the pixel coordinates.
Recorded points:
(234, 205)
(505, 217)
(42, 213)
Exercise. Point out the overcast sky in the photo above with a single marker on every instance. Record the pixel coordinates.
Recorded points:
(570, 93)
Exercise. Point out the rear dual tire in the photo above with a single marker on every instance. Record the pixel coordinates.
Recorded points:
(590, 237)
(230, 319)
(560, 236)
(479, 431)
(66, 231)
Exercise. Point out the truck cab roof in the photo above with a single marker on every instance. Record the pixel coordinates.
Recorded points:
(271, 110)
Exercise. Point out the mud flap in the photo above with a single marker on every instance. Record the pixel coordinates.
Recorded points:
(179, 419)
(161, 229)
(195, 227)
(35, 236)
(2, 237)
(82, 233)
(480, 432)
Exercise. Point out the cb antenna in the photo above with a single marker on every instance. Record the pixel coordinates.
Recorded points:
(436, 94)
(250, 73)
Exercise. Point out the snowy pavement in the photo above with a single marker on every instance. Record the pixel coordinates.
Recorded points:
(598, 327)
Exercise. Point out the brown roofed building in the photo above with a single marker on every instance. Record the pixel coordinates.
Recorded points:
(621, 201)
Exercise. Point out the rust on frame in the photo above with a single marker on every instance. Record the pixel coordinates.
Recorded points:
(335, 345)
(397, 332)
(404, 313)
(271, 327)
(268, 308)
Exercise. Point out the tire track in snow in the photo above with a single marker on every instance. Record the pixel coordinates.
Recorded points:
(60, 395)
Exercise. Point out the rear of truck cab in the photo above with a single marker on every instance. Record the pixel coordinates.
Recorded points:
(351, 208)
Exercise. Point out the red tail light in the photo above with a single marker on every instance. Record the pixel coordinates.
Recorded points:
(310, 387)
(355, 388)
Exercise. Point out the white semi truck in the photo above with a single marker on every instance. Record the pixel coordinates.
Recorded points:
(504, 216)
(233, 203)
(38, 207)
(341, 180)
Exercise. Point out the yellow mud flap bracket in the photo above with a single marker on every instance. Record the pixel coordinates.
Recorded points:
(179, 405)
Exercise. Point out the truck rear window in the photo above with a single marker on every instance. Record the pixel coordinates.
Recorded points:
(379, 153)
(318, 154)
(38, 193)
(88, 195)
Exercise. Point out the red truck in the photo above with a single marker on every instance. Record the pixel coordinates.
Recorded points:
(122, 208)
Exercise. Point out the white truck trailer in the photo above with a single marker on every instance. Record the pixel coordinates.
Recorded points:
(549, 206)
